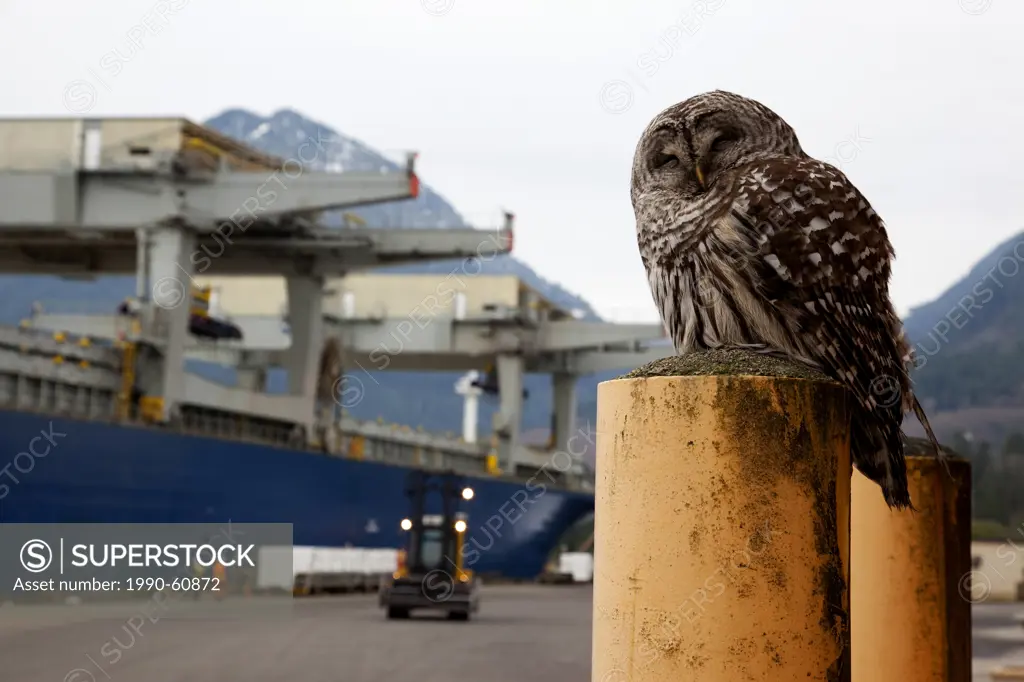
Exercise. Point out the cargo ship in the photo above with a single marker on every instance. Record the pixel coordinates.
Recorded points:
(64, 470)
(99, 421)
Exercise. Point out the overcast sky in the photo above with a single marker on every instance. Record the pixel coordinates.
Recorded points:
(537, 106)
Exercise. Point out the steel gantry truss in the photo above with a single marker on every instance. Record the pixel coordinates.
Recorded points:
(169, 201)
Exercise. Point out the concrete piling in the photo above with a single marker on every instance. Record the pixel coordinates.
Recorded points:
(910, 573)
(722, 523)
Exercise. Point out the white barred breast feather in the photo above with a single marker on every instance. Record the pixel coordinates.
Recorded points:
(750, 243)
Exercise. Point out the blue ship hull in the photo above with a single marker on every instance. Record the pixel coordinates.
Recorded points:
(92, 472)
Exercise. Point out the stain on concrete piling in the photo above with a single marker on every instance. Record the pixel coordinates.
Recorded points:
(788, 427)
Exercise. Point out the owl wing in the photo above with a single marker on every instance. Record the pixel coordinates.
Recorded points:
(822, 260)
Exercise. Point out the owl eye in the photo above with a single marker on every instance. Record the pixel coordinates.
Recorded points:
(666, 161)
(723, 141)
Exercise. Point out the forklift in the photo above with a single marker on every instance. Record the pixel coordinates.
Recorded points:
(430, 573)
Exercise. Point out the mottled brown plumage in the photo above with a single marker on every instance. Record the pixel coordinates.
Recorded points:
(749, 242)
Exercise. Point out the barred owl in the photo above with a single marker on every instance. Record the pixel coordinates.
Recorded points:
(750, 243)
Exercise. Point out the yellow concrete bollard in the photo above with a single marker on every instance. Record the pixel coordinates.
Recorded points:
(910, 576)
(722, 523)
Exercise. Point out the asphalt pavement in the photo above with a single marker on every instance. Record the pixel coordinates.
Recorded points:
(997, 638)
(537, 633)
(533, 632)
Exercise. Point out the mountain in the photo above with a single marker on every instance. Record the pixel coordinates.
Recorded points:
(970, 347)
(285, 132)
(416, 399)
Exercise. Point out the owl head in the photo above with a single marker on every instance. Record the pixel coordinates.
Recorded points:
(688, 147)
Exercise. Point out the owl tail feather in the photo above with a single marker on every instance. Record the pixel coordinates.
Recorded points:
(921, 417)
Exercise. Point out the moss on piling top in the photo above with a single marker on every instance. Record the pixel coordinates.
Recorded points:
(922, 447)
(725, 362)
(736, 362)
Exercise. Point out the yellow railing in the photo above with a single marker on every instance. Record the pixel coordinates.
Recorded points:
(128, 354)
(129, 358)
(357, 447)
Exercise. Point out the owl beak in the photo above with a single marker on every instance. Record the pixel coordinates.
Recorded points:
(700, 176)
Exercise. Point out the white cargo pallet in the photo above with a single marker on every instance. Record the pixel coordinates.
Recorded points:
(580, 565)
(325, 569)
